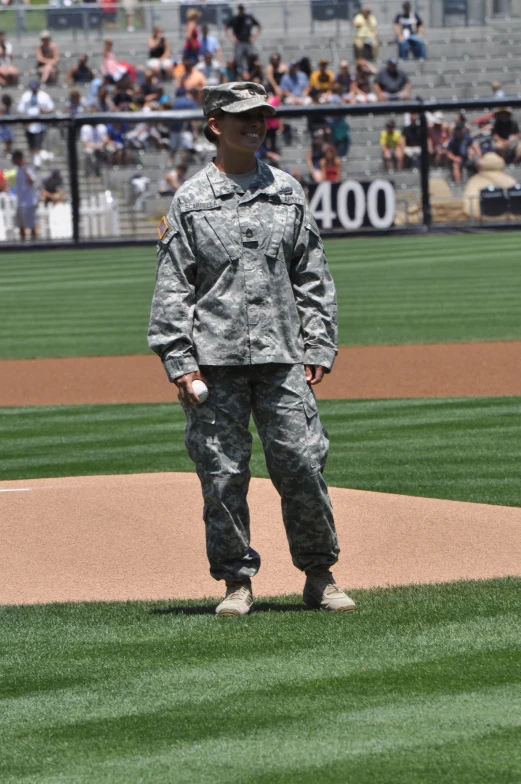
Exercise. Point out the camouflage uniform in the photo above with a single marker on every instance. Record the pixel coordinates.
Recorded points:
(243, 293)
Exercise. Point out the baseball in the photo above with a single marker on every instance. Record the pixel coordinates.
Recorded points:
(200, 389)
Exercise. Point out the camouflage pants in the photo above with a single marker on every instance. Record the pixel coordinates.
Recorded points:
(295, 446)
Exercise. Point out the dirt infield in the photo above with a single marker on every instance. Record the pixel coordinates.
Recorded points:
(438, 370)
(142, 537)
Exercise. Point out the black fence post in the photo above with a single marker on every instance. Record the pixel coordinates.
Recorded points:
(424, 171)
(73, 176)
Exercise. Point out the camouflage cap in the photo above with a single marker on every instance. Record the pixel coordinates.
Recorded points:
(236, 97)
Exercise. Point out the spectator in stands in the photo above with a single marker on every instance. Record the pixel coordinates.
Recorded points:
(47, 59)
(52, 190)
(317, 122)
(254, 70)
(123, 95)
(209, 43)
(462, 152)
(6, 133)
(305, 66)
(94, 140)
(193, 81)
(117, 149)
(361, 86)
(275, 70)
(76, 104)
(173, 180)
(459, 119)
(315, 154)
(150, 88)
(192, 47)
(159, 54)
(182, 133)
(497, 89)
(412, 141)
(331, 165)
(239, 29)
(273, 124)
(111, 67)
(8, 72)
(505, 135)
(35, 102)
(339, 128)
(294, 84)
(232, 72)
(92, 94)
(391, 84)
(391, 144)
(438, 139)
(131, 7)
(344, 79)
(408, 27)
(211, 70)
(26, 196)
(366, 35)
(103, 100)
(80, 73)
(321, 78)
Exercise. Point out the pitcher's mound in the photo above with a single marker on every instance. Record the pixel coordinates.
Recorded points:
(142, 537)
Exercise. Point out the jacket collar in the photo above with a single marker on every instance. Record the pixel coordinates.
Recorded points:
(263, 182)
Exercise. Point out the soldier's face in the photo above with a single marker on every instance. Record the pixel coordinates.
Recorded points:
(245, 131)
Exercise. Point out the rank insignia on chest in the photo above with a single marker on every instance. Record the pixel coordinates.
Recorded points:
(162, 228)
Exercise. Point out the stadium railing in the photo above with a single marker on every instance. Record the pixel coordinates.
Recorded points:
(104, 209)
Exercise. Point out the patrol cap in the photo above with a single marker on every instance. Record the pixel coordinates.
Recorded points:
(236, 97)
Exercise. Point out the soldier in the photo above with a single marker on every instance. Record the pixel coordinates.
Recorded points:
(244, 301)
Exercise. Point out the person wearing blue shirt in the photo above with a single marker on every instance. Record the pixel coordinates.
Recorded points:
(209, 43)
(181, 133)
(462, 151)
(294, 84)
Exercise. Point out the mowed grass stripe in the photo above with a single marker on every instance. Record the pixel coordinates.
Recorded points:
(415, 682)
(466, 449)
(391, 291)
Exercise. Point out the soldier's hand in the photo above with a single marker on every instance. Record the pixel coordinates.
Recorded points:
(186, 391)
(314, 374)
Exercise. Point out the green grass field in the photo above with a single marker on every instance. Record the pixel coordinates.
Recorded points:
(422, 685)
(390, 291)
(467, 449)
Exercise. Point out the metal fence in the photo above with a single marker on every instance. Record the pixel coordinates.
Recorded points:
(103, 201)
(93, 19)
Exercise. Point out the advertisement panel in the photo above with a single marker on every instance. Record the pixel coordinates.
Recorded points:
(353, 204)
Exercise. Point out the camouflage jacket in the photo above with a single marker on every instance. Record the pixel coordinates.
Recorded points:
(241, 277)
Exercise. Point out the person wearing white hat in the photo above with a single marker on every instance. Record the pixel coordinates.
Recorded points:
(47, 58)
(438, 139)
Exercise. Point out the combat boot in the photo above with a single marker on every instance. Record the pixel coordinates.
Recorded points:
(322, 592)
(238, 599)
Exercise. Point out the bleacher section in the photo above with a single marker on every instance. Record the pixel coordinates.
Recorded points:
(461, 63)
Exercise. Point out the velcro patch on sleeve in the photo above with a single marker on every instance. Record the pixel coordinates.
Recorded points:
(162, 228)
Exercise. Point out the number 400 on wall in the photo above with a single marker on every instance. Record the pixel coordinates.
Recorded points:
(353, 204)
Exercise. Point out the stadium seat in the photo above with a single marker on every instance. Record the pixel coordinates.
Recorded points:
(514, 200)
(493, 202)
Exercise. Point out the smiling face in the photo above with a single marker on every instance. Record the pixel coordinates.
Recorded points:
(243, 132)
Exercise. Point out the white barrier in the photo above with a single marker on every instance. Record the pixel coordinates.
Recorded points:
(99, 217)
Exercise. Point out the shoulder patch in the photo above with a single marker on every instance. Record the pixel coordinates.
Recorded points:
(163, 227)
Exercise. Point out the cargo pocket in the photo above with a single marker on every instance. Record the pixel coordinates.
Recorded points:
(316, 435)
(200, 437)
